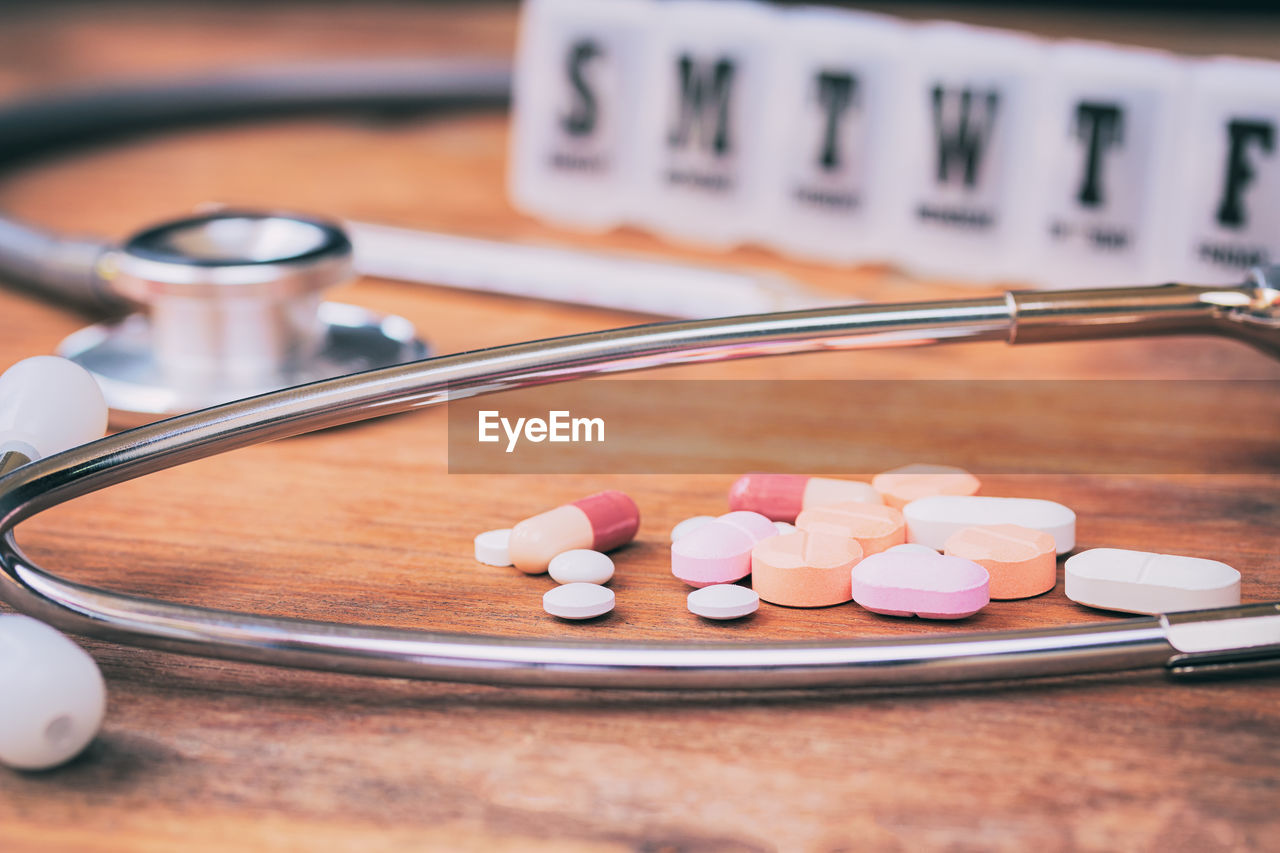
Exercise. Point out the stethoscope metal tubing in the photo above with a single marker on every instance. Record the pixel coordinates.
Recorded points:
(1130, 644)
(67, 268)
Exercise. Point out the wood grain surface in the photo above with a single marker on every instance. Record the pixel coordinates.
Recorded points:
(363, 524)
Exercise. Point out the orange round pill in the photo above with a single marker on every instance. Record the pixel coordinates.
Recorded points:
(1022, 562)
(876, 528)
(804, 569)
(901, 486)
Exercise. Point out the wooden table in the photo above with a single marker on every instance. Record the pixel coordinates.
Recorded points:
(364, 524)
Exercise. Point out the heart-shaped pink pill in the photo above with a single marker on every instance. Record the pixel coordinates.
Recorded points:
(931, 586)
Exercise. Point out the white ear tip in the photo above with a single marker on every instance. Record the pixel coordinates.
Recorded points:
(52, 697)
(49, 404)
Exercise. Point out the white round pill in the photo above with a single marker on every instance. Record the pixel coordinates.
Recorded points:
(689, 525)
(493, 547)
(578, 601)
(52, 697)
(912, 548)
(723, 601)
(784, 528)
(581, 565)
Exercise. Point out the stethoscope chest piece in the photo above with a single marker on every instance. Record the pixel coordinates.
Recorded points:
(233, 308)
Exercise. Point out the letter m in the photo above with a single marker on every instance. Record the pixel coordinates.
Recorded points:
(963, 121)
(705, 95)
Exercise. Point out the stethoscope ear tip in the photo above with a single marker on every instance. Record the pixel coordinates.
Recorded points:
(47, 405)
(62, 697)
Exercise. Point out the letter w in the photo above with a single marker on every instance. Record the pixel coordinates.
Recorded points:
(964, 139)
(705, 96)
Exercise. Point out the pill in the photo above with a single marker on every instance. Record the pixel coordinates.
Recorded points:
(493, 547)
(1142, 582)
(784, 527)
(932, 521)
(782, 496)
(804, 569)
(581, 566)
(1022, 562)
(931, 586)
(720, 552)
(901, 486)
(911, 548)
(600, 522)
(689, 525)
(723, 601)
(877, 528)
(578, 600)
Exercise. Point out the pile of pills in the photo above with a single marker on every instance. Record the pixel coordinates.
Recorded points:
(916, 541)
(568, 543)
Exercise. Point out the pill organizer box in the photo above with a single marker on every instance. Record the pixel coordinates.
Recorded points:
(846, 137)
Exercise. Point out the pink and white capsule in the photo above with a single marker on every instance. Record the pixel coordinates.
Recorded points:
(599, 522)
(781, 497)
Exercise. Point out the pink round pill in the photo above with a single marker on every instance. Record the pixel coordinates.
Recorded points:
(902, 583)
(720, 551)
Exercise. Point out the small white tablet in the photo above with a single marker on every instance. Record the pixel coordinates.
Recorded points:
(493, 547)
(581, 565)
(578, 601)
(723, 601)
(689, 525)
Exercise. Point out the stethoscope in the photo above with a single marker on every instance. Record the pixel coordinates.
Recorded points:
(298, 255)
(232, 300)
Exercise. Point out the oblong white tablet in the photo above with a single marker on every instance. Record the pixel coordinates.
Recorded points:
(581, 565)
(784, 528)
(1143, 582)
(931, 521)
(578, 601)
(723, 601)
(689, 525)
(493, 547)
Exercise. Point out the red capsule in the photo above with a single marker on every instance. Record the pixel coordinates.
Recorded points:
(781, 497)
